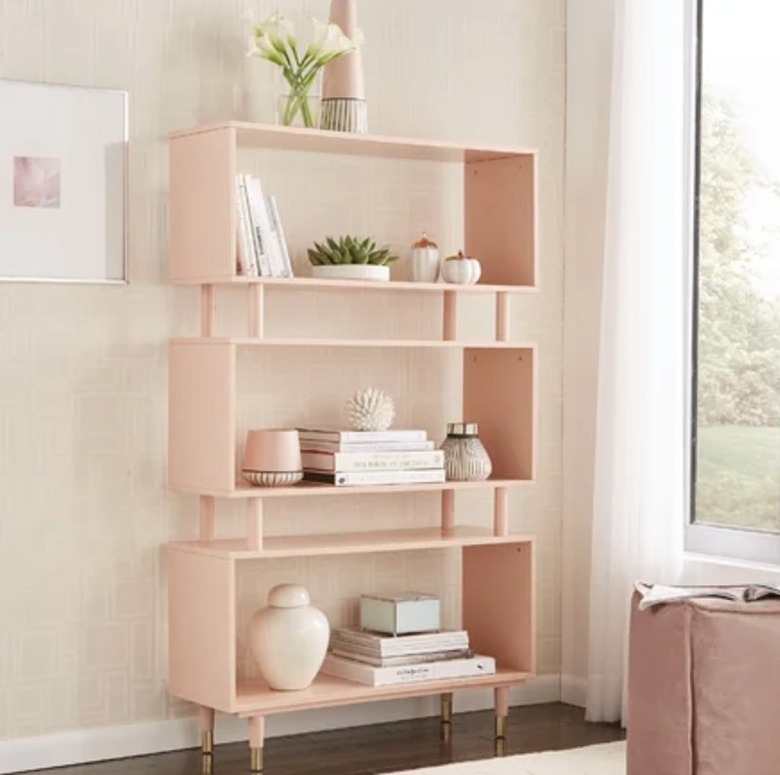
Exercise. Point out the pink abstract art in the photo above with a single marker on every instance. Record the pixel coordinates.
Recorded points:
(36, 182)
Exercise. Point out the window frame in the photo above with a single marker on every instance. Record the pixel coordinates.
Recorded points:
(701, 538)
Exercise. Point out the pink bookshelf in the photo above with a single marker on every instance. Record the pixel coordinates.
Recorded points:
(499, 383)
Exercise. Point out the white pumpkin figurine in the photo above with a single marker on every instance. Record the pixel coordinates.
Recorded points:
(461, 269)
(289, 638)
(424, 261)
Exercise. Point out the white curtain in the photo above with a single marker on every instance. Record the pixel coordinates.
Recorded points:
(639, 487)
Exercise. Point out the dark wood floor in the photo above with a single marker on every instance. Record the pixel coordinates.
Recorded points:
(403, 745)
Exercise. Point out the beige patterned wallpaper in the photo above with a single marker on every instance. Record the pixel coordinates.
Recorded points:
(83, 507)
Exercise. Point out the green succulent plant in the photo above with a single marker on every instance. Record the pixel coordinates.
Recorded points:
(350, 250)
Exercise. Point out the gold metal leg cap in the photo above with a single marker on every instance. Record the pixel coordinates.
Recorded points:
(207, 741)
(500, 727)
(256, 755)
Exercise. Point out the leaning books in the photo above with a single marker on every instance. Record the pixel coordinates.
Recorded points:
(352, 670)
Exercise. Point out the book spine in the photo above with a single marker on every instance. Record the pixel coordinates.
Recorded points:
(354, 478)
(263, 225)
(385, 676)
(376, 446)
(382, 646)
(307, 434)
(411, 659)
(276, 224)
(347, 462)
(246, 249)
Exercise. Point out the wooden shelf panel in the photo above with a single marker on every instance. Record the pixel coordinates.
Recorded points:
(393, 285)
(378, 146)
(254, 697)
(371, 542)
(242, 490)
(244, 341)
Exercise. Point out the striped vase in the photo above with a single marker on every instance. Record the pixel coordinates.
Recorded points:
(465, 458)
(343, 107)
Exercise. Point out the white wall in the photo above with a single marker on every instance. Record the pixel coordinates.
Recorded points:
(83, 506)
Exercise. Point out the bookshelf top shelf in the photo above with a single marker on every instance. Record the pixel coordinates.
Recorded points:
(321, 141)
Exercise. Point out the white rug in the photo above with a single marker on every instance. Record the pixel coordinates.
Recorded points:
(607, 759)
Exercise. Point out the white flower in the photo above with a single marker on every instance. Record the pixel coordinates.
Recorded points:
(262, 47)
(280, 31)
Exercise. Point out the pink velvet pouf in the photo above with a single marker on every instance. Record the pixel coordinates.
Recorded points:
(704, 688)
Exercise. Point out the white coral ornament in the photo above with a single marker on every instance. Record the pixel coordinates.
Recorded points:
(370, 410)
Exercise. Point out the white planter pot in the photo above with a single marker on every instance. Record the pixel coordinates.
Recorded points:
(289, 638)
(351, 272)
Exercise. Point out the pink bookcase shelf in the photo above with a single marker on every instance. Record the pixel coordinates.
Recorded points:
(499, 196)
(499, 386)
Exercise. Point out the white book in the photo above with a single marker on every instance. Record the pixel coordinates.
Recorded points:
(262, 222)
(259, 237)
(386, 676)
(334, 434)
(372, 461)
(247, 263)
(276, 225)
(397, 645)
(365, 446)
(367, 478)
(411, 659)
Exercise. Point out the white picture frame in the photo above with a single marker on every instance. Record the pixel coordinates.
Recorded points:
(63, 183)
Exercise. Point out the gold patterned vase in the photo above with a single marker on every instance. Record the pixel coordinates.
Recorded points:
(465, 457)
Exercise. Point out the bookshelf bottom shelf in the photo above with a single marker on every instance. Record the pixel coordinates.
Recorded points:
(255, 698)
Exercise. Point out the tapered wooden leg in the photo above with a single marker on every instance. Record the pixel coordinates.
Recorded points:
(206, 730)
(256, 734)
(502, 713)
(446, 717)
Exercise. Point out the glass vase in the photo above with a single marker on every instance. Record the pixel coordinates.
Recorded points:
(298, 104)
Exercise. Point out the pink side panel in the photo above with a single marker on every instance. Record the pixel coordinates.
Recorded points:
(201, 415)
(501, 219)
(498, 393)
(202, 629)
(499, 603)
(203, 205)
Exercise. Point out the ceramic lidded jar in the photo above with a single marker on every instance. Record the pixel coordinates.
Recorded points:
(424, 261)
(461, 270)
(289, 638)
(272, 457)
(465, 457)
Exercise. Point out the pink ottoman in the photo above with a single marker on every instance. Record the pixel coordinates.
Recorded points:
(704, 688)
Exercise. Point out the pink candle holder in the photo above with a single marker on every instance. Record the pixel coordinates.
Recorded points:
(272, 458)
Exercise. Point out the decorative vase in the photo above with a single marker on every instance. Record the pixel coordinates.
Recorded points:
(424, 261)
(288, 639)
(344, 106)
(351, 272)
(272, 458)
(465, 457)
(461, 270)
(298, 109)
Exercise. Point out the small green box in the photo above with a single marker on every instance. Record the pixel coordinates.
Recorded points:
(403, 613)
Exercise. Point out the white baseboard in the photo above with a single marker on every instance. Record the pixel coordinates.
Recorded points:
(574, 690)
(100, 743)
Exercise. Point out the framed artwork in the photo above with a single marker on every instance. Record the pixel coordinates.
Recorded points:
(63, 191)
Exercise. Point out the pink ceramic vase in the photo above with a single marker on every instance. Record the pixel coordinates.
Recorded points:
(272, 457)
(343, 107)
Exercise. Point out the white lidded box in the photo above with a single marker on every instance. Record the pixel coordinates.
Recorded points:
(403, 613)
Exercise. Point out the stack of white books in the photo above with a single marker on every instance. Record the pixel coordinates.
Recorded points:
(352, 458)
(261, 246)
(382, 660)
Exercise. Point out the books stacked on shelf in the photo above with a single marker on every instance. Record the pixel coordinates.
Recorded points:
(382, 660)
(262, 248)
(354, 458)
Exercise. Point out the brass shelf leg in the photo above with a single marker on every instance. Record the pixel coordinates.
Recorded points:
(502, 713)
(446, 717)
(256, 735)
(206, 739)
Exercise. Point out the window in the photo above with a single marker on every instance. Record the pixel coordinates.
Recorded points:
(735, 454)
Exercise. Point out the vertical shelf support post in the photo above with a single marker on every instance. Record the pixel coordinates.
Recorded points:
(207, 310)
(256, 734)
(207, 509)
(450, 316)
(446, 717)
(447, 512)
(256, 310)
(254, 520)
(502, 316)
(501, 512)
